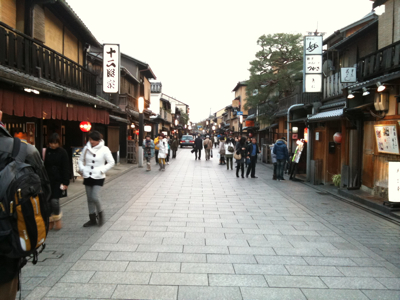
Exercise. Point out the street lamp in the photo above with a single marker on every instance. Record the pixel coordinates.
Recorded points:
(141, 121)
(176, 122)
(241, 124)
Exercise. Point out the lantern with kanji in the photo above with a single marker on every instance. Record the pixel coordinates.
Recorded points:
(337, 137)
(85, 126)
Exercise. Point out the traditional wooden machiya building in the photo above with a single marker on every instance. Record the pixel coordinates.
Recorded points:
(45, 85)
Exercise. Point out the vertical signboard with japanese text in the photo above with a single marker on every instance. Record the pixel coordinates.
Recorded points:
(111, 68)
(312, 67)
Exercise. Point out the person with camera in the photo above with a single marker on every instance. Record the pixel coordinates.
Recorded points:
(148, 151)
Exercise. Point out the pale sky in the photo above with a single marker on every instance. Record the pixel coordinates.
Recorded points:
(199, 50)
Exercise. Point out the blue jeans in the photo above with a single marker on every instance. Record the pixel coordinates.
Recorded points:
(280, 166)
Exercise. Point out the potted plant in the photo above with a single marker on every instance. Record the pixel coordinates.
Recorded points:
(337, 178)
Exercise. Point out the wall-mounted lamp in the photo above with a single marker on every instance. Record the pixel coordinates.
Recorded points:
(365, 91)
(132, 125)
(141, 104)
(295, 129)
(28, 90)
(176, 122)
(380, 87)
(350, 95)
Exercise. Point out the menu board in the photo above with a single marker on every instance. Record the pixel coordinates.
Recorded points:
(386, 138)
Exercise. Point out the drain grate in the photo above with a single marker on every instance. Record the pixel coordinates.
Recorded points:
(49, 255)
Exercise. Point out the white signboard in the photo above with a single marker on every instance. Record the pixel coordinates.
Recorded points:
(348, 75)
(386, 138)
(317, 136)
(313, 83)
(111, 68)
(394, 181)
(313, 45)
(313, 64)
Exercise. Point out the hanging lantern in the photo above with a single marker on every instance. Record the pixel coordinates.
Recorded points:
(85, 126)
(137, 132)
(306, 135)
(337, 137)
(250, 134)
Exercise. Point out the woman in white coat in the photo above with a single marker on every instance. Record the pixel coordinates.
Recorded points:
(163, 151)
(96, 159)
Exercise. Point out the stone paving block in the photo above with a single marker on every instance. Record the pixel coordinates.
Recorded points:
(193, 235)
(217, 258)
(148, 228)
(95, 255)
(84, 290)
(366, 262)
(342, 253)
(237, 280)
(314, 270)
(265, 243)
(159, 248)
(183, 241)
(207, 268)
(390, 283)
(132, 256)
(329, 261)
(38, 293)
(180, 279)
(206, 249)
(294, 282)
(382, 295)
(226, 242)
(37, 271)
(252, 293)
(154, 234)
(366, 271)
(153, 267)
(312, 245)
(32, 283)
(113, 247)
(334, 294)
(242, 236)
(209, 293)
(121, 277)
(260, 269)
(89, 265)
(251, 250)
(280, 260)
(186, 229)
(297, 251)
(140, 240)
(223, 230)
(181, 257)
(77, 276)
(145, 292)
(354, 283)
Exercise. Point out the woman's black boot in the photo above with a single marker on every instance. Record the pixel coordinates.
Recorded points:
(101, 218)
(91, 222)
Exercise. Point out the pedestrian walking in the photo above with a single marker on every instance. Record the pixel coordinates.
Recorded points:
(274, 162)
(174, 146)
(169, 149)
(251, 155)
(216, 141)
(247, 161)
(229, 150)
(282, 155)
(207, 147)
(148, 151)
(240, 151)
(222, 151)
(96, 159)
(163, 151)
(156, 149)
(11, 267)
(56, 163)
(198, 146)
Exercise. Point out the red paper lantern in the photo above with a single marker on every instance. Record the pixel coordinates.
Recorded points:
(306, 135)
(85, 126)
(337, 137)
(137, 132)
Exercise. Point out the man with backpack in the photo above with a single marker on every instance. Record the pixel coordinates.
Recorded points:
(28, 167)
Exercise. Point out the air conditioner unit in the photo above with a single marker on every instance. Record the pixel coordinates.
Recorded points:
(381, 102)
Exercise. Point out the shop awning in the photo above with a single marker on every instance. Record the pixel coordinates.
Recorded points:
(269, 126)
(251, 117)
(326, 115)
(119, 119)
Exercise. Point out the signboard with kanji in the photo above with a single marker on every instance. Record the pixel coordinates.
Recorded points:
(313, 44)
(348, 75)
(111, 68)
(312, 64)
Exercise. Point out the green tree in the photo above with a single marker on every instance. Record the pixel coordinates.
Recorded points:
(184, 117)
(274, 72)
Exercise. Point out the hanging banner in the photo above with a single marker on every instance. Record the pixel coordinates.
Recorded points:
(111, 68)
(394, 181)
(312, 64)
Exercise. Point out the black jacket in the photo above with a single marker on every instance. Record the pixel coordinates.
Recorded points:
(57, 167)
(238, 150)
(198, 143)
(9, 266)
(249, 149)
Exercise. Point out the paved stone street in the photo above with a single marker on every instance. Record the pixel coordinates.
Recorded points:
(196, 231)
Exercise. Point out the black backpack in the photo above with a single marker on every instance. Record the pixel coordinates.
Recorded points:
(24, 213)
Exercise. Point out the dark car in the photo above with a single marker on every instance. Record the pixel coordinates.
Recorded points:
(186, 140)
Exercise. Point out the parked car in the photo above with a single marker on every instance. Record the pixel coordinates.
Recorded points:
(186, 140)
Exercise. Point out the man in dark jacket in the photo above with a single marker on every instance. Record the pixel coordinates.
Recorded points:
(10, 266)
(282, 155)
(198, 146)
(251, 153)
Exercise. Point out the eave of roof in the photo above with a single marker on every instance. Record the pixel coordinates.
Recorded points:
(327, 115)
(239, 84)
(143, 67)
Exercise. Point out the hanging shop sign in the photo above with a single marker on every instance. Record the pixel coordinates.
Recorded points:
(394, 181)
(147, 128)
(111, 68)
(312, 64)
(85, 126)
(386, 138)
(348, 75)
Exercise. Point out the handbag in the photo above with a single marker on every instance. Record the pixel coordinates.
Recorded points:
(237, 156)
(230, 148)
(211, 154)
(205, 146)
